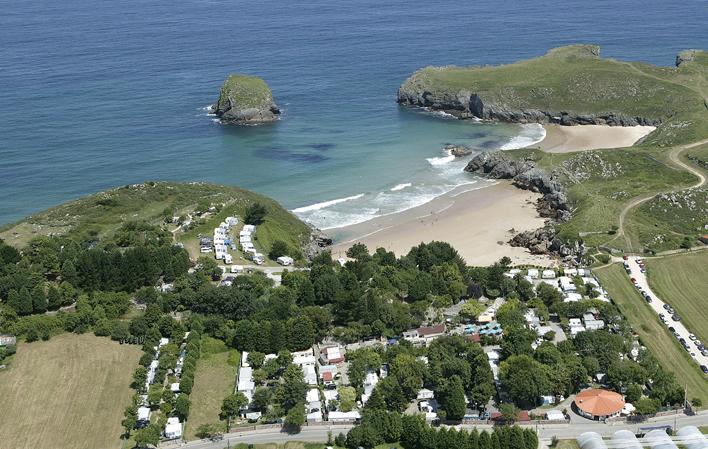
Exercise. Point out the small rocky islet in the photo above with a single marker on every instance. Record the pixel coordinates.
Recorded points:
(245, 100)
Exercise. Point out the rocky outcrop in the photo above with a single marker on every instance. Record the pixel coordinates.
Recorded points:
(319, 241)
(524, 174)
(245, 100)
(457, 150)
(686, 56)
(465, 104)
(553, 204)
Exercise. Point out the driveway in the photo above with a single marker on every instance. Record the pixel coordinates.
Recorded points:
(657, 304)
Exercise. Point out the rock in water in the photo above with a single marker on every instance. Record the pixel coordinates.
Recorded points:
(246, 100)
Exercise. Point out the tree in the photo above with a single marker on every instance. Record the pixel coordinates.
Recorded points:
(525, 379)
(453, 399)
(207, 430)
(24, 302)
(347, 398)
(231, 407)
(54, 299)
(261, 399)
(294, 387)
(509, 413)
(139, 378)
(39, 299)
(149, 435)
(634, 393)
(295, 417)
(182, 404)
(646, 406)
(376, 401)
(471, 309)
(255, 214)
(364, 435)
(277, 249)
(130, 420)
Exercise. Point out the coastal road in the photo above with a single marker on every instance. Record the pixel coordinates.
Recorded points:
(657, 304)
(319, 434)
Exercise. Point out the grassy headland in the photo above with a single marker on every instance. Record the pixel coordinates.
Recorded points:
(573, 85)
(99, 216)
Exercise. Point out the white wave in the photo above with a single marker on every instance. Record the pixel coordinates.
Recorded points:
(401, 186)
(325, 204)
(530, 134)
(440, 160)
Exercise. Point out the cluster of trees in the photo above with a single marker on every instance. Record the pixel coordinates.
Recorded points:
(379, 427)
(53, 271)
(549, 369)
(280, 391)
(456, 370)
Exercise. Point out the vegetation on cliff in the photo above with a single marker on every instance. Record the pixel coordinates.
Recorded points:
(573, 85)
(103, 216)
(246, 99)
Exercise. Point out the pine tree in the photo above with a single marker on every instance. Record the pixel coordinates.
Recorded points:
(485, 442)
(68, 272)
(13, 300)
(54, 298)
(376, 401)
(25, 302)
(39, 299)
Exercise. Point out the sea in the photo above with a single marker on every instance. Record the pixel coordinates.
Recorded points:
(96, 94)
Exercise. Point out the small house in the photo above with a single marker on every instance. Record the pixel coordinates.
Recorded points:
(331, 355)
(533, 273)
(344, 417)
(555, 415)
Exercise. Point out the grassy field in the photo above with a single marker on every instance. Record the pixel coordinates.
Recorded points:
(101, 214)
(654, 335)
(66, 393)
(680, 280)
(214, 379)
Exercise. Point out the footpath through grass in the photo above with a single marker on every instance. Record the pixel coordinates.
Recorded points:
(66, 393)
(681, 280)
(215, 378)
(654, 335)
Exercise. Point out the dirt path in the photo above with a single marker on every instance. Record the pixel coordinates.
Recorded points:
(674, 156)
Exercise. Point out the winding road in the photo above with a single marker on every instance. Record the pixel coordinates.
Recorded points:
(674, 156)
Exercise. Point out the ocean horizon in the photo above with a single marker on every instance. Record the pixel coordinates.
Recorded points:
(99, 95)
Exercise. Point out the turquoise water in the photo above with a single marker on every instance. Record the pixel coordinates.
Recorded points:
(95, 94)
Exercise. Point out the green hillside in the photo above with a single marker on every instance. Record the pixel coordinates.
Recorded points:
(99, 216)
(576, 82)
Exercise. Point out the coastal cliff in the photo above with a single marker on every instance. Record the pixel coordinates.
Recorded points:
(553, 204)
(246, 100)
(567, 86)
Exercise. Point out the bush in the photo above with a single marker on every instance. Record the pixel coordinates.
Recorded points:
(255, 214)
(278, 249)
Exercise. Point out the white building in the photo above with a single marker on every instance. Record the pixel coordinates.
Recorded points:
(345, 417)
(548, 274)
(173, 429)
(567, 284)
(369, 384)
(533, 273)
(309, 374)
(285, 261)
(572, 297)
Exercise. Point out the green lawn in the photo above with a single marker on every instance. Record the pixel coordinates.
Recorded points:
(681, 280)
(214, 379)
(654, 335)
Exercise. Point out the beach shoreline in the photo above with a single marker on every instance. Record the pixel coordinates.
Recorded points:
(567, 139)
(477, 220)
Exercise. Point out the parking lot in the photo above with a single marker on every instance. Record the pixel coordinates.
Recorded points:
(638, 274)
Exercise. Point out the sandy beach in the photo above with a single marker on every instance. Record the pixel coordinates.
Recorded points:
(476, 221)
(566, 139)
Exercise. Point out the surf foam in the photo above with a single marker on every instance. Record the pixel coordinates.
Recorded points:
(325, 204)
(400, 186)
(530, 134)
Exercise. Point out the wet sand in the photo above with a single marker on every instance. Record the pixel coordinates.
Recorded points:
(476, 221)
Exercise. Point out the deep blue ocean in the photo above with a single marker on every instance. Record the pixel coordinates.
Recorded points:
(96, 94)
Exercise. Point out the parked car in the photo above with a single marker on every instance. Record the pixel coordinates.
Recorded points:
(666, 306)
(625, 257)
(634, 281)
(697, 343)
(705, 369)
(691, 336)
(672, 330)
(676, 317)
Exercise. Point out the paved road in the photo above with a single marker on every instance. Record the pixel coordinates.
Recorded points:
(546, 432)
(658, 305)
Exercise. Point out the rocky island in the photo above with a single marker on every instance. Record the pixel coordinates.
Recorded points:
(246, 100)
